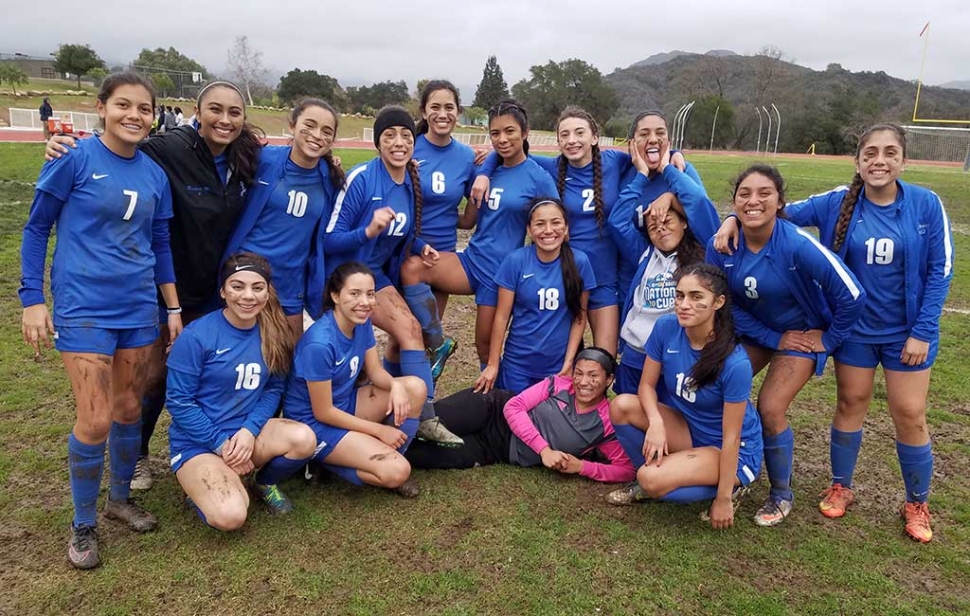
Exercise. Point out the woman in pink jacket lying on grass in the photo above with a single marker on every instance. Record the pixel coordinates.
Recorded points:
(560, 422)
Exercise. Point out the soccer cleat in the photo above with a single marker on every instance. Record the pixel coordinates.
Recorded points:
(82, 549)
(435, 431)
(773, 512)
(273, 497)
(835, 501)
(408, 489)
(440, 356)
(142, 479)
(736, 496)
(917, 516)
(134, 516)
(628, 495)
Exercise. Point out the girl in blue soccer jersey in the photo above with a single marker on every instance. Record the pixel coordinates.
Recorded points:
(794, 304)
(210, 165)
(111, 205)
(896, 238)
(501, 225)
(660, 221)
(544, 289)
(361, 431)
(376, 220)
(294, 188)
(226, 375)
(706, 441)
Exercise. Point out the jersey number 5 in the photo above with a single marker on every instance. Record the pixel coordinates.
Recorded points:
(494, 197)
(248, 376)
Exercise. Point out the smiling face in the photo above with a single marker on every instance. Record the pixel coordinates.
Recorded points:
(313, 134)
(666, 234)
(590, 381)
(694, 302)
(547, 228)
(507, 138)
(246, 294)
(576, 138)
(757, 202)
(127, 115)
(356, 299)
(441, 113)
(650, 136)
(396, 147)
(221, 114)
(881, 159)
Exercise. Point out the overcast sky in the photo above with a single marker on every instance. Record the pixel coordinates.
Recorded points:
(365, 41)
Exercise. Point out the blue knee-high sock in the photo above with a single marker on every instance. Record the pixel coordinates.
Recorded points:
(415, 363)
(278, 469)
(916, 464)
(393, 367)
(690, 494)
(409, 428)
(151, 410)
(124, 443)
(779, 454)
(345, 472)
(424, 307)
(844, 451)
(631, 440)
(86, 464)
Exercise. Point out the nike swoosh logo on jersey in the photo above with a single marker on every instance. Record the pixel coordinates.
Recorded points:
(377, 198)
(98, 176)
(341, 360)
(419, 162)
(568, 179)
(524, 276)
(728, 265)
(221, 351)
(263, 183)
(672, 351)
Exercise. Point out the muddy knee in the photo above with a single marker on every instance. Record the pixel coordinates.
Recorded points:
(650, 482)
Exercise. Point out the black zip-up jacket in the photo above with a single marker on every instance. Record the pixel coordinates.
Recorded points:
(206, 212)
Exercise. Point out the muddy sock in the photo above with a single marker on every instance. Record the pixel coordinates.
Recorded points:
(123, 445)
(916, 464)
(278, 469)
(844, 451)
(409, 428)
(779, 455)
(415, 363)
(86, 463)
(421, 301)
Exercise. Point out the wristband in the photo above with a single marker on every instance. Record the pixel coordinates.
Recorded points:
(176, 310)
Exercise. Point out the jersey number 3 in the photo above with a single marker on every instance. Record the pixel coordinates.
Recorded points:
(751, 287)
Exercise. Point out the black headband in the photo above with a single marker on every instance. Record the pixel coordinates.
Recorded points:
(599, 356)
(392, 117)
(228, 271)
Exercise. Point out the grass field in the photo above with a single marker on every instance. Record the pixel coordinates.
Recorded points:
(495, 540)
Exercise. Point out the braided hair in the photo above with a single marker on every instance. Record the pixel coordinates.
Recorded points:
(412, 170)
(851, 197)
(579, 113)
(723, 339)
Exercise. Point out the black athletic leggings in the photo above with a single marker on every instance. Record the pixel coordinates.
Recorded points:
(478, 419)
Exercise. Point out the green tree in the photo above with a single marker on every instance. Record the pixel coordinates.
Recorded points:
(169, 59)
(476, 115)
(12, 75)
(298, 83)
(98, 74)
(492, 88)
(553, 86)
(77, 60)
(378, 95)
(702, 119)
(163, 84)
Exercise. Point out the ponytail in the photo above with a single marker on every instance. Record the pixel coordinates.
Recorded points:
(337, 176)
(276, 338)
(723, 339)
(517, 111)
(243, 153)
(846, 210)
(572, 282)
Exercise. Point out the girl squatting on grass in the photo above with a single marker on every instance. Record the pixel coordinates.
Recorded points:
(896, 238)
(361, 431)
(707, 442)
(794, 302)
(112, 207)
(210, 166)
(226, 375)
(543, 289)
(376, 220)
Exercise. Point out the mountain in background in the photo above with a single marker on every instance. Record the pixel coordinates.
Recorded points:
(827, 108)
(956, 85)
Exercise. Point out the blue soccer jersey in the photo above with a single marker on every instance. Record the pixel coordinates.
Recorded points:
(324, 353)
(539, 331)
(756, 288)
(502, 220)
(103, 268)
(586, 232)
(284, 230)
(369, 188)
(447, 174)
(218, 383)
(704, 408)
(876, 254)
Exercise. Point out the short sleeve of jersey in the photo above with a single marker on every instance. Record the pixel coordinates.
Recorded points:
(658, 337)
(736, 377)
(508, 272)
(585, 270)
(57, 176)
(545, 186)
(315, 361)
(369, 339)
(188, 353)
